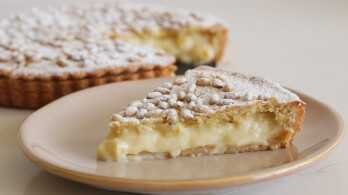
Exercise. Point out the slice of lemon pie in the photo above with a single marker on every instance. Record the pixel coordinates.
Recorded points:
(209, 111)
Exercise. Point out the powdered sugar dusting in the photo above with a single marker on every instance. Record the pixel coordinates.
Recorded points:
(208, 98)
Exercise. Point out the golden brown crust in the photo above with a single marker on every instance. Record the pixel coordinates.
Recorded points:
(205, 150)
(223, 46)
(34, 93)
(201, 151)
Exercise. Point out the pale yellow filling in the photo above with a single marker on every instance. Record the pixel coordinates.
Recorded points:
(257, 129)
(187, 45)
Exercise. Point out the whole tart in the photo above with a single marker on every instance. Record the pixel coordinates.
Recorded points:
(209, 111)
(49, 52)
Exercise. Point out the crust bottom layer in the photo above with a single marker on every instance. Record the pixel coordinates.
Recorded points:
(199, 151)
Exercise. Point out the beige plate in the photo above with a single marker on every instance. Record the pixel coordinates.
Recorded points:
(62, 138)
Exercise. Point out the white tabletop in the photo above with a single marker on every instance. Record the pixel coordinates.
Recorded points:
(300, 44)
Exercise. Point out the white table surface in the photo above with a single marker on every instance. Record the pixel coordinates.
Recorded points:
(300, 44)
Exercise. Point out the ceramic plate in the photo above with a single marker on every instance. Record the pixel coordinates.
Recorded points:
(63, 136)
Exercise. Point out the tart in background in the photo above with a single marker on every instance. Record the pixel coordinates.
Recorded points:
(50, 52)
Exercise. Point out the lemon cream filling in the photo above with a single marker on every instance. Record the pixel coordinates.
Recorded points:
(126, 141)
(187, 46)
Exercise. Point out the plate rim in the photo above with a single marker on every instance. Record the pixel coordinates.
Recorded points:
(127, 184)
